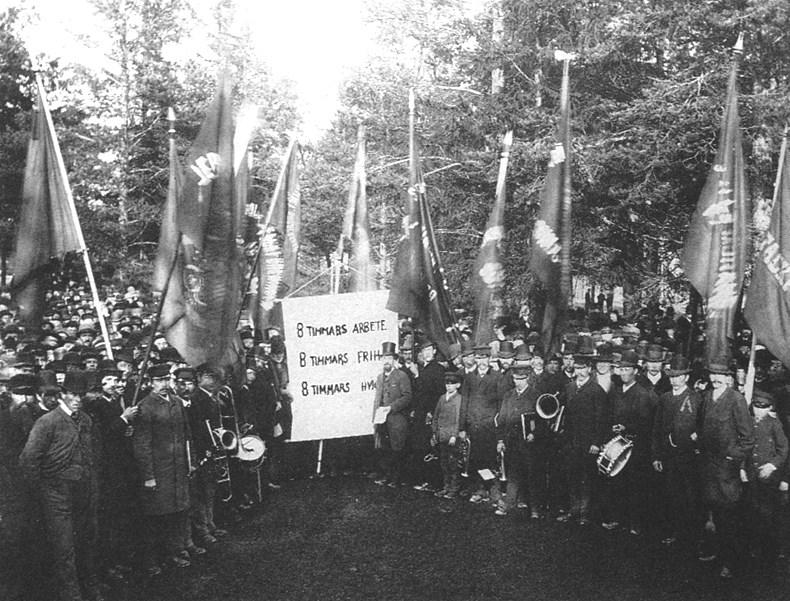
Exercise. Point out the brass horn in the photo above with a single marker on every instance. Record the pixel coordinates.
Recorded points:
(547, 406)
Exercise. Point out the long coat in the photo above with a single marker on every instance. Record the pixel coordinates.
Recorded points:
(160, 439)
(394, 391)
(727, 439)
(586, 417)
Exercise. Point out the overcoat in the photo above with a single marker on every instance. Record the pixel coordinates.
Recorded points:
(727, 439)
(160, 439)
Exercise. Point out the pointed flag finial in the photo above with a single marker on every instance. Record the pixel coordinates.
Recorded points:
(560, 55)
(739, 44)
(508, 139)
(171, 114)
(411, 100)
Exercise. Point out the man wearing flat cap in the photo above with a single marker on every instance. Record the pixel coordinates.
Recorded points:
(673, 450)
(161, 432)
(393, 390)
(726, 440)
(58, 459)
(522, 437)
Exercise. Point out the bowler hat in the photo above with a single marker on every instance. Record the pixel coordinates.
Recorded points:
(678, 366)
(719, 366)
(655, 353)
(467, 348)
(629, 358)
(506, 350)
(585, 349)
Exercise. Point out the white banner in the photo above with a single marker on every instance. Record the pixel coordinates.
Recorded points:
(334, 355)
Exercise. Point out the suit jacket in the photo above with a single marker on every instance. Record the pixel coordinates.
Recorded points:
(59, 447)
(677, 418)
(113, 449)
(635, 409)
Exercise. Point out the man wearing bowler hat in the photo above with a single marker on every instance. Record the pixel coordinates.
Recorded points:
(673, 449)
(429, 386)
(58, 459)
(586, 429)
(393, 390)
(726, 440)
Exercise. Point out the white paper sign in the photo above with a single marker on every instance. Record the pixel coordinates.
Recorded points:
(334, 357)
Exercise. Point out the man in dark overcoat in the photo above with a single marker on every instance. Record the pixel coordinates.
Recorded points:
(393, 390)
(480, 392)
(726, 440)
(160, 440)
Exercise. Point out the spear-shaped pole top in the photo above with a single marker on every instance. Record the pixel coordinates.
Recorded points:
(171, 114)
(411, 100)
(508, 139)
(561, 55)
(739, 44)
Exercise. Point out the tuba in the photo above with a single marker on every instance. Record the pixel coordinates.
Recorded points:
(225, 440)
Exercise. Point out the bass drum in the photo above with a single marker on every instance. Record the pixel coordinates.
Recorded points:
(251, 448)
(614, 455)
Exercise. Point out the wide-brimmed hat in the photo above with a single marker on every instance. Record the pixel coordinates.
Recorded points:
(520, 372)
(678, 366)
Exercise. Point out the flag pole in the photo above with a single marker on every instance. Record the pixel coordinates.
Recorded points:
(567, 202)
(97, 304)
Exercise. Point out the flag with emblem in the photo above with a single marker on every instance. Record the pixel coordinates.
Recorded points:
(768, 298)
(278, 245)
(717, 244)
(488, 277)
(550, 258)
(418, 288)
(48, 224)
(354, 245)
(201, 308)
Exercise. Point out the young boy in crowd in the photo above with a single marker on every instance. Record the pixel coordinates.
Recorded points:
(445, 435)
(764, 471)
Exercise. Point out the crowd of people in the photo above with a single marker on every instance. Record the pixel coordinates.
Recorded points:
(107, 467)
(619, 430)
(123, 463)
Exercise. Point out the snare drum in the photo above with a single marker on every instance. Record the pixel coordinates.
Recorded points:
(614, 455)
(251, 448)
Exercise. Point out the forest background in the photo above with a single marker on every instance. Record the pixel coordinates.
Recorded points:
(647, 94)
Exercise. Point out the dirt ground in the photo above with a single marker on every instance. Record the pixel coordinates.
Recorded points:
(344, 538)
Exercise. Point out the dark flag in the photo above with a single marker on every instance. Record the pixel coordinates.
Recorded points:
(355, 238)
(489, 274)
(278, 245)
(48, 224)
(418, 288)
(201, 308)
(768, 298)
(550, 260)
(717, 243)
